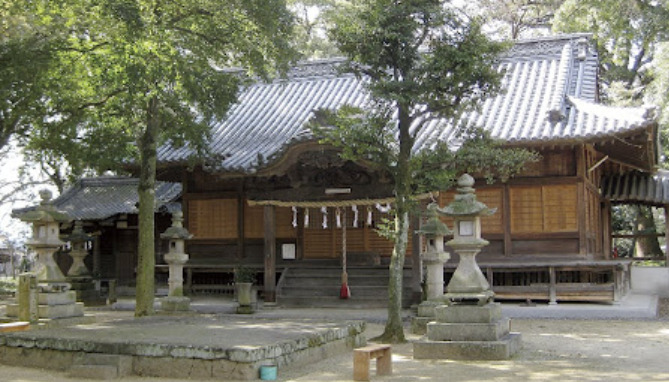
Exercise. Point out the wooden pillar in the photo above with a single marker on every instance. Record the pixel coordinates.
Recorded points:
(552, 286)
(581, 203)
(506, 216)
(416, 262)
(606, 229)
(96, 253)
(299, 236)
(241, 253)
(270, 253)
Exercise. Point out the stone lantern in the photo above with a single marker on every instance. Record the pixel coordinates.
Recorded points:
(176, 258)
(469, 326)
(45, 241)
(78, 239)
(467, 282)
(434, 257)
(55, 299)
(78, 275)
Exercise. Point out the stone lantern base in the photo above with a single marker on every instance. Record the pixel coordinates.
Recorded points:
(175, 304)
(84, 287)
(468, 332)
(53, 305)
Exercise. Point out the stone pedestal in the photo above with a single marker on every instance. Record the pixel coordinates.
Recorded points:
(53, 305)
(468, 332)
(86, 292)
(175, 304)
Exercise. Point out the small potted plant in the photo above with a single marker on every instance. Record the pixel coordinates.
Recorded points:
(244, 279)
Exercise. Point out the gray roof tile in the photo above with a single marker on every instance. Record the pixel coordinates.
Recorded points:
(100, 198)
(550, 97)
(637, 187)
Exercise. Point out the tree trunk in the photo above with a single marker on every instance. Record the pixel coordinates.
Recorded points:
(644, 223)
(394, 330)
(147, 181)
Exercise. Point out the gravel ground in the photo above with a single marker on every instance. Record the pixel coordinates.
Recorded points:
(553, 350)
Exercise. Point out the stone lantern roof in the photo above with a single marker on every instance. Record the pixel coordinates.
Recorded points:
(78, 235)
(45, 212)
(177, 230)
(434, 226)
(465, 203)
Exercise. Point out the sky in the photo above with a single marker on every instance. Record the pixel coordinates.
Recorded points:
(10, 162)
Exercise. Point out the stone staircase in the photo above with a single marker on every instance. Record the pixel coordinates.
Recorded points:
(319, 286)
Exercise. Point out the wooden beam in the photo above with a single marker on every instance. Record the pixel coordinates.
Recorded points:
(269, 215)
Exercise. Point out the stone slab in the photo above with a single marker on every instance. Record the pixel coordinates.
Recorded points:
(57, 298)
(468, 313)
(468, 350)
(426, 308)
(438, 331)
(61, 311)
(189, 346)
(88, 372)
(419, 324)
(175, 304)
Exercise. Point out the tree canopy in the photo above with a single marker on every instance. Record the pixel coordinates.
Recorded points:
(134, 74)
(423, 61)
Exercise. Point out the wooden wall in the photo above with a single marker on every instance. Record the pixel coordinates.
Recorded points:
(552, 210)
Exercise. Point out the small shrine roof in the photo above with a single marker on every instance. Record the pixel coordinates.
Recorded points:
(103, 197)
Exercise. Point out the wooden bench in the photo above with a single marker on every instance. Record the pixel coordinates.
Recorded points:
(361, 356)
(14, 326)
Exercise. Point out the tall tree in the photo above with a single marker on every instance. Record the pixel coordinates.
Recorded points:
(423, 61)
(514, 19)
(311, 27)
(136, 74)
(626, 33)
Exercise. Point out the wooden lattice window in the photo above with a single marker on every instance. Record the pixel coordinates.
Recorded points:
(536, 209)
(213, 218)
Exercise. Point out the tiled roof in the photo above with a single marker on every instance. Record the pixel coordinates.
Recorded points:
(550, 97)
(637, 187)
(100, 198)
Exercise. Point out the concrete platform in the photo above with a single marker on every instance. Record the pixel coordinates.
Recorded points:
(633, 306)
(196, 346)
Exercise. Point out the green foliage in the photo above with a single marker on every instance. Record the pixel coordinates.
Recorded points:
(626, 33)
(8, 285)
(514, 19)
(244, 275)
(119, 54)
(659, 95)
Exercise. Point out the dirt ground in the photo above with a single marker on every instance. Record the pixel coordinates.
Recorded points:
(553, 350)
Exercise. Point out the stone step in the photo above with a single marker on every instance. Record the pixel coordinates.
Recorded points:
(354, 302)
(366, 291)
(101, 366)
(99, 372)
